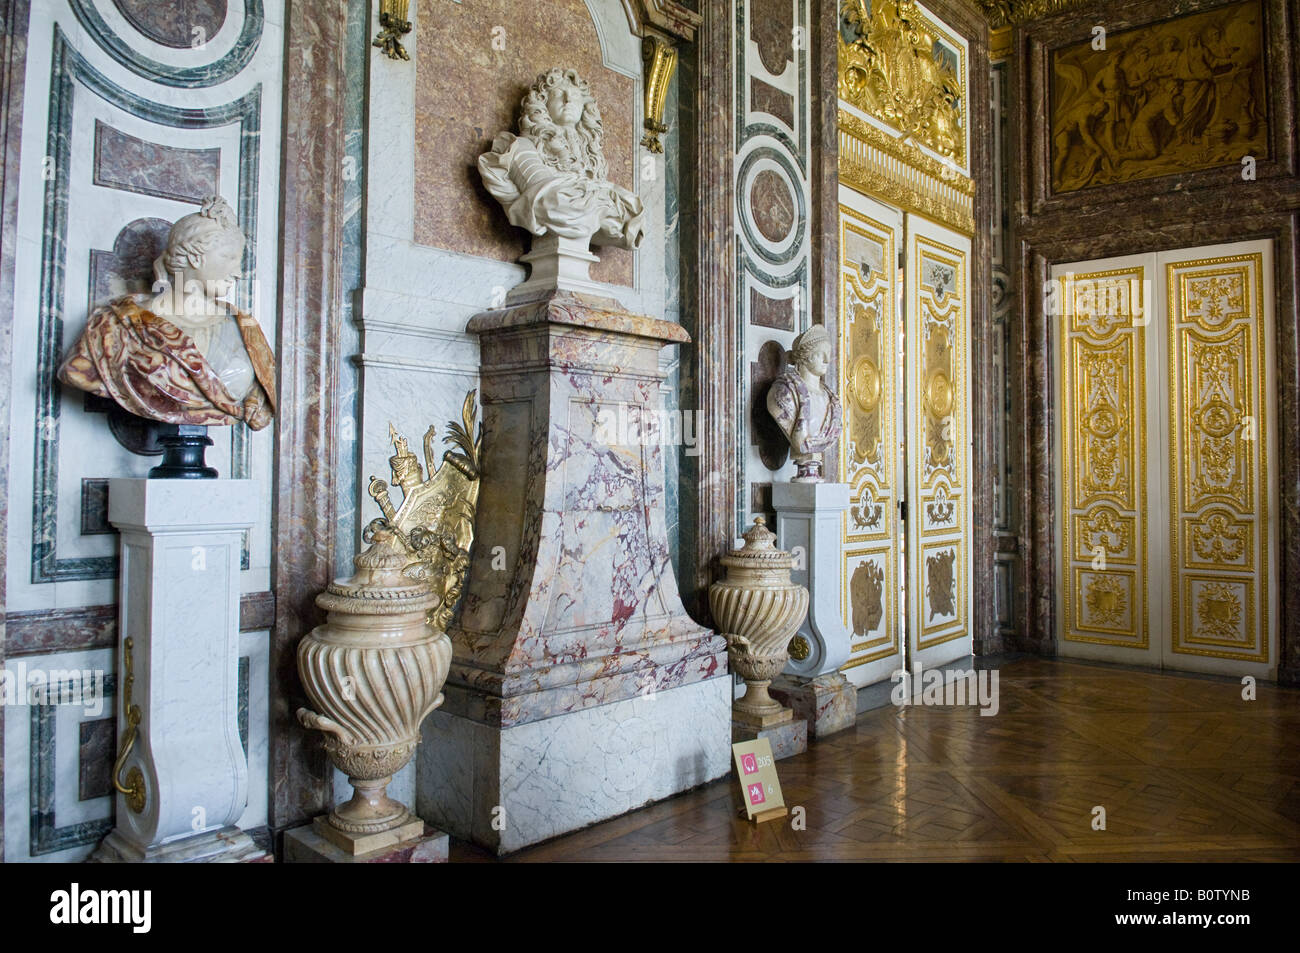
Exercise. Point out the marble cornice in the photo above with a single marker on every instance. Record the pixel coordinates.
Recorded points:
(662, 16)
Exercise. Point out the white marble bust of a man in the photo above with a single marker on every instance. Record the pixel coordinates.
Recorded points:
(805, 409)
(552, 178)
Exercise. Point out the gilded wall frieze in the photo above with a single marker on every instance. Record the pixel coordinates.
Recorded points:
(875, 163)
(1002, 13)
(894, 65)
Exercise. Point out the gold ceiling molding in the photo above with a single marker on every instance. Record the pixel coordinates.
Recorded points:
(890, 69)
(1002, 13)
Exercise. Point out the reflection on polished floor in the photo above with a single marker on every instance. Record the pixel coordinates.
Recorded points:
(1184, 767)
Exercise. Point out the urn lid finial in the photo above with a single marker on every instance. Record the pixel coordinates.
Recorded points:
(382, 584)
(759, 550)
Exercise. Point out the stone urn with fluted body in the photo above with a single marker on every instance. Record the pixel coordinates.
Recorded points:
(376, 668)
(758, 609)
(373, 671)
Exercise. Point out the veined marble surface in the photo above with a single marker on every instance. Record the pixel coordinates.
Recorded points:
(506, 789)
(571, 600)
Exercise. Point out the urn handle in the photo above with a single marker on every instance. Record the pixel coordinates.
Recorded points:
(310, 720)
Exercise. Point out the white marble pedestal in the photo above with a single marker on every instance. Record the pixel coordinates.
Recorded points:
(179, 612)
(810, 516)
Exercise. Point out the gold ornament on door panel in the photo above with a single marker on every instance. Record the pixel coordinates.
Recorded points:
(939, 566)
(868, 333)
(1103, 457)
(1217, 457)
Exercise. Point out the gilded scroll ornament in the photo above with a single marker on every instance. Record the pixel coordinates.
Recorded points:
(865, 385)
(1217, 539)
(1219, 612)
(867, 588)
(659, 58)
(1107, 601)
(892, 66)
(938, 398)
(1175, 96)
(133, 788)
(1002, 13)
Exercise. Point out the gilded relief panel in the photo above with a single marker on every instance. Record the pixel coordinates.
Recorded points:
(869, 448)
(896, 65)
(1103, 456)
(1172, 97)
(1218, 457)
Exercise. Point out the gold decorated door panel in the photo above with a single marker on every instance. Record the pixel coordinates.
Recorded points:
(937, 296)
(1101, 312)
(871, 451)
(1166, 531)
(1222, 536)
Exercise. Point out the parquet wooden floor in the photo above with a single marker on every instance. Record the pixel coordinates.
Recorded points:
(1185, 769)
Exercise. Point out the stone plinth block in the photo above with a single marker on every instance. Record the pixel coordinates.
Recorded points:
(829, 703)
(508, 788)
(178, 659)
(787, 739)
(229, 845)
(809, 517)
(304, 845)
(571, 610)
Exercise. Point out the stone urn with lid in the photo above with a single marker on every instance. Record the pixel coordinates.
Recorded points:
(758, 609)
(373, 671)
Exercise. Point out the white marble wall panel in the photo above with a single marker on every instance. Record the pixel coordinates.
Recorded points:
(222, 95)
(141, 107)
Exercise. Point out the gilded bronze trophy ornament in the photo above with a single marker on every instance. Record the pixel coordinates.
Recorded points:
(181, 354)
(376, 668)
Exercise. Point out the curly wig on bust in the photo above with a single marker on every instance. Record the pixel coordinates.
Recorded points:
(584, 145)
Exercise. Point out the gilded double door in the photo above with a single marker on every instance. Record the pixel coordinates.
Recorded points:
(905, 454)
(1166, 476)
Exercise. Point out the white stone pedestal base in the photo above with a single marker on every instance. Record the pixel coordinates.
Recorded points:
(810, 516)
(179, 610)
(229, 845)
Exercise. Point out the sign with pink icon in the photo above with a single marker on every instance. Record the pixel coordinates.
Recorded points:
(756, 769)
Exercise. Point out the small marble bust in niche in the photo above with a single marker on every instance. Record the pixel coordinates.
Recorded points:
(552, 178)
(180, 354)
(805, 409)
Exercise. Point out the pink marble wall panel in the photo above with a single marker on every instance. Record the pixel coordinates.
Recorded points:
(126, 162)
